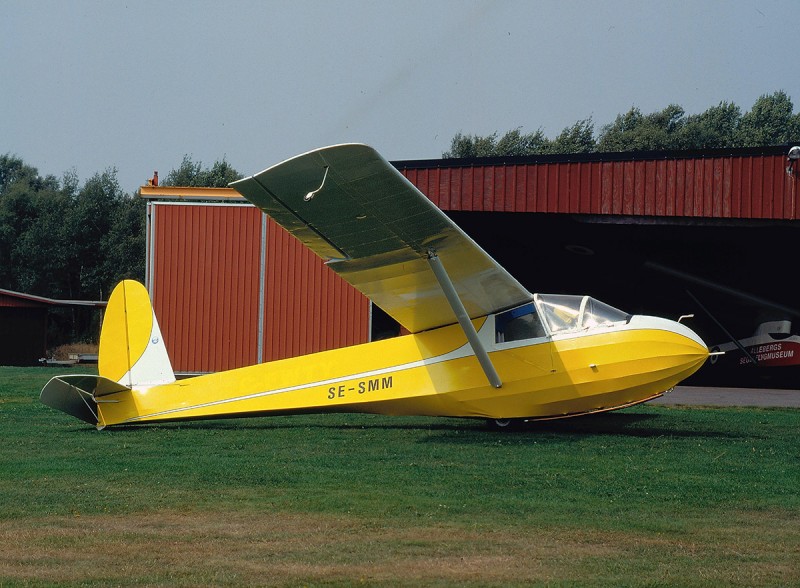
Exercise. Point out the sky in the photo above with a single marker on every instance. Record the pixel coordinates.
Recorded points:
(135, 85)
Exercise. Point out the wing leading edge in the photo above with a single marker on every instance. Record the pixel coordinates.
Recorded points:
(377, 231)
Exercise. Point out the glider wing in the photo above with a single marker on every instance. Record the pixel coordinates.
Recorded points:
(377, 231)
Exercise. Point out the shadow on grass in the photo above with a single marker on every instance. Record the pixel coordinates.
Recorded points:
(461, 431)
(618, 425)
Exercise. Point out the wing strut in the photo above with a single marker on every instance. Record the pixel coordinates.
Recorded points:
(463, 319)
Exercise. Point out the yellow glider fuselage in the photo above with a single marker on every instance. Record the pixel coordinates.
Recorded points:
(434, 373)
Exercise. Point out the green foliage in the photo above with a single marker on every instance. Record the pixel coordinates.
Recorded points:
(62, 240)
(515, 142)
(32, 228)
(193, 174)
(14, 171)
(717, 127)
(647, 496)
(472, 146)
(769, 122)
(579, 138)
(634, 131)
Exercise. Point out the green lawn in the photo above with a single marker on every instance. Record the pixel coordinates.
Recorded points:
(649, 496)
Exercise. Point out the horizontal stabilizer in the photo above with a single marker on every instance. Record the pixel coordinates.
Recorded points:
(77, 395)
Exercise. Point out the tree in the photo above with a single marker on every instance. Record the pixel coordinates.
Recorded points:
(124, 243)
(40, 253)
(62, 240)
(769, 122)
(190, 173)
(23, 195)
(579, 138)
(715, 128)
(13, 169)
(514, 142)
(634, 131)
(471, 146)
(107, 235)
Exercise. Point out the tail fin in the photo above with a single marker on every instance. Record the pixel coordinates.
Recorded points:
(132, 354)
(132, 350)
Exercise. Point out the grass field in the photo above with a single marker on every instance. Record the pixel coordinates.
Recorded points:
(649, 496)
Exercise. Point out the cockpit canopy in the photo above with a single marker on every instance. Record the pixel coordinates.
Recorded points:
(564, 313)
(560, 314)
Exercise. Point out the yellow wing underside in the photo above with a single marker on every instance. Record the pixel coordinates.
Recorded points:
(376, 229)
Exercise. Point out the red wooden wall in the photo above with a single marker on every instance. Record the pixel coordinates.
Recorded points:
(308, 307)
(720, 186)
(205, 284)
(205, 281)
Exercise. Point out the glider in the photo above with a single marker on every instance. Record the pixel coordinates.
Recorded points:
(480, 344)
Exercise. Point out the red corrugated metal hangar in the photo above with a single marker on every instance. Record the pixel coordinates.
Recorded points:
(710, 233)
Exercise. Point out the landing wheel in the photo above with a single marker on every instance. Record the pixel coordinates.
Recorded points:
(503, 424)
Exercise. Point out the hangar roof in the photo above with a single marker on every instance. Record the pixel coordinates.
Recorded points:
(741, 183)
(608, 156)
(10, 298)
(190, 193)
(715, 183)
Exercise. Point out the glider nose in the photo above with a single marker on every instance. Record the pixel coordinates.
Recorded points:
(683, 331)
(677, 350)
(695, 351)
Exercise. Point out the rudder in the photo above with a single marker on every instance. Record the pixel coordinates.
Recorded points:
(132, 350)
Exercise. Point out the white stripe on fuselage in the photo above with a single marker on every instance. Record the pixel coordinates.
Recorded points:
(486, 333)
(463, 351)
